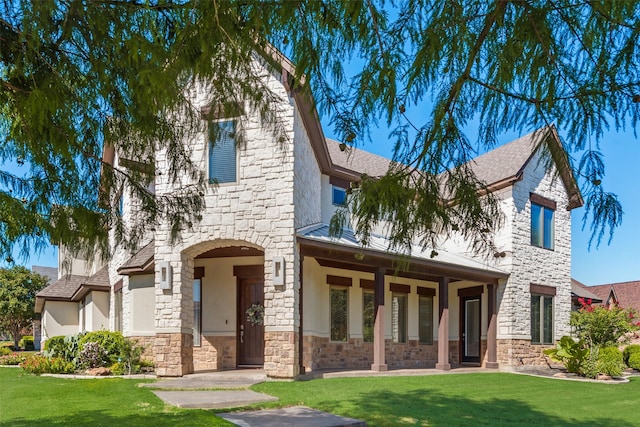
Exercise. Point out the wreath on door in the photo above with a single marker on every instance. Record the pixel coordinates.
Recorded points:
(255, 314)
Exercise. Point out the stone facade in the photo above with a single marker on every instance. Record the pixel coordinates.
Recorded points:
(148, 343)
(513, 354)
(173, 354)
(281, 354)
(215, 352)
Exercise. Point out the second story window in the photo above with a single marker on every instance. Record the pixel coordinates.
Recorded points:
(222, 151)
(542, 222)
(339, 196)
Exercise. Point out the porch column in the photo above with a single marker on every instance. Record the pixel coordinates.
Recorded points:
(492, 361)
(378, 326)
(443, 325)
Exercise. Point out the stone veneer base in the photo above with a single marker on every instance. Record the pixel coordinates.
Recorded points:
(147, 342)
(173, 354)
(215, 352)
(515, 353)
(281, 355)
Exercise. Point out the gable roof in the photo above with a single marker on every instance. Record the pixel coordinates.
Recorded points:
(140, 262)
(580, 290)
(498, 168)
(98, 282)
(626, 294)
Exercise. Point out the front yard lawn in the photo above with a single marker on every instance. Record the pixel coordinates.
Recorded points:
(29, 400)
(496, 399)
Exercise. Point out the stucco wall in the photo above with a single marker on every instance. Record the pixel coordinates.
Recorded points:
(142, 305)
(59, 318)
(96, 311)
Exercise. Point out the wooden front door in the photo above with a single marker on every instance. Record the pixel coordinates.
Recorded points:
(250, 335)
(470, 318)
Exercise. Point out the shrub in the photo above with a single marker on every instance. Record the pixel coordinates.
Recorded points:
(12, 359)
(601, 326)
(65, 347)
(570, 353)
(634, 361)
(610, 361)
(4, 351)
(26, 342)
(628, 351)
(38, 364)
(93, 355)
(112, 342)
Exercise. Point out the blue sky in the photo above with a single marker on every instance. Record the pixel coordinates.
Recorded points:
(615, 262)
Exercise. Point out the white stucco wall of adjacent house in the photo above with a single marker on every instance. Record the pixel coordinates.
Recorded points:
(59, 318)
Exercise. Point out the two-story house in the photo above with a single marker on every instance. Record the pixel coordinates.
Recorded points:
(258, 280)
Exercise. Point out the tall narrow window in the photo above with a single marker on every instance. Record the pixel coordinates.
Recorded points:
(425, 319)
(542, 226)
(222, 152)
(117, 296)
(197, 311)
(339, 313)
(541, 319)
(399, 318)
(368, 315)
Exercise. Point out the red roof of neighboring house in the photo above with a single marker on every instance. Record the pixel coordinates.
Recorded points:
(580, 290)
(626, 294)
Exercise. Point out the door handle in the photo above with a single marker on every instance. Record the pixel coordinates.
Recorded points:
(241, 337)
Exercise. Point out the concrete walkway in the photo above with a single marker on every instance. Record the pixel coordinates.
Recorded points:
(290, 417)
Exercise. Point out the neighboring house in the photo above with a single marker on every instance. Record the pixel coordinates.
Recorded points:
(263, 245)
(623, 294)
(51, 273)
(580, 290)
(74, 303)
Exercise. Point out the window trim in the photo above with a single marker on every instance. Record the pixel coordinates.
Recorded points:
(346, 290)
(430, 296)
(541, 321)
(210, 147)
(545, 205)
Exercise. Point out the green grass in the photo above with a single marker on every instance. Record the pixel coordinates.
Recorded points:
(441, 400)
(498, 399)
(28, 400)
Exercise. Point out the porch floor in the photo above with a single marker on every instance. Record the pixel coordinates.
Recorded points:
(352, 373)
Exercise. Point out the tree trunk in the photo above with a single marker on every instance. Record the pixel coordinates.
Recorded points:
(16, 333)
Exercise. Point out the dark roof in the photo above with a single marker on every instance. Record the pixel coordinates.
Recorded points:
(627, 294)
(98, 282)
(356, 160)
(497, 168)
(142, 261)
(580, 290)
(50, 273)
(60, 290)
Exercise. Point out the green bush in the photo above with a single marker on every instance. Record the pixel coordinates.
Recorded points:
(628, 351)
(66, 347)
(26, 342)
(112, 342)
(634, 361)
(4, 351)
(570, 353)
(601, 326)
(610, 361)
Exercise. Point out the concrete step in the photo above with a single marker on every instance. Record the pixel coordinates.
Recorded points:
(295, 416)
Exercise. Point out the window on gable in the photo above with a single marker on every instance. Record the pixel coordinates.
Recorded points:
(222, 151)
(339, 196)
(541, 319)
(339, 314)
(542, 222)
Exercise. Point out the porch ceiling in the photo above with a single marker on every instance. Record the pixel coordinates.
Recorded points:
(348, 252)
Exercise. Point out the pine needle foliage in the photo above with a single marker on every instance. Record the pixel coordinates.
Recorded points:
(76, 75)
